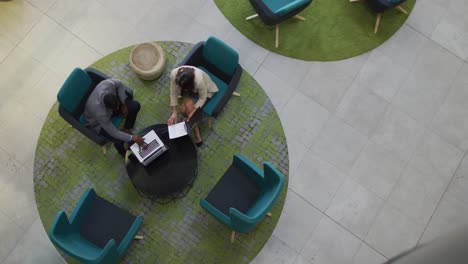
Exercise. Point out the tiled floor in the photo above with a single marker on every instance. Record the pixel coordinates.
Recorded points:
(377, 142)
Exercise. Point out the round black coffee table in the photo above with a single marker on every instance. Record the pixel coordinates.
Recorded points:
(169, 174)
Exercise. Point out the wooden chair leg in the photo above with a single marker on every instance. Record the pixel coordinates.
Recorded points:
(104, 150)
(210, 122)
(299, 17)
(269, 214)
(138, 237)
(235, 94)
(401, 9)
(233, 236)
(276, 36)
(377, 23)
(251, 17)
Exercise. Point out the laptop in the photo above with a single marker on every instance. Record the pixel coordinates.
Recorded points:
(155, 147)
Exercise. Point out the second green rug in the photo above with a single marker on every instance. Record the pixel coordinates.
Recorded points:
(333, 30)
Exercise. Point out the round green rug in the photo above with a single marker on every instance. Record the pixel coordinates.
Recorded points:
(333, 30)
(67, 163)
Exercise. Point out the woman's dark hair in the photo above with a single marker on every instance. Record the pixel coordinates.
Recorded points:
(185, 77)
(111, 101)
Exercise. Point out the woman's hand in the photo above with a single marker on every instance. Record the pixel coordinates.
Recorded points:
(172, 119)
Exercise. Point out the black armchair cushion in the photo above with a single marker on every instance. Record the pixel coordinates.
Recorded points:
(235, 189)
(105, 221)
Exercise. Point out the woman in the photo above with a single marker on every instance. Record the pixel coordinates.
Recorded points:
(196, 88)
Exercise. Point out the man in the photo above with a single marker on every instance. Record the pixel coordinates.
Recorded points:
(111, 98)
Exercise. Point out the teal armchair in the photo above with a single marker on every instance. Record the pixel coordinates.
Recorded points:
(221, 63)
(97, 231)
(72, 99)
(274, 12)
(244, 195)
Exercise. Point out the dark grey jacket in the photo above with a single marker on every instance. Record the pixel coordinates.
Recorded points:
(98, 116)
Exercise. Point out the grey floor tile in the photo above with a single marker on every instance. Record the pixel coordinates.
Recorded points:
(417, 194)
(19, 142)
(301, 260)
(436, 157)
(17, 19)
(450, 215)
(296, 151)
(129, 11)
(382, 75)
(18, 72)
(303, 126)
(452, 33)
(194, 6)
(393, 232)
(8, 168)
(277, 90)
(361, 108)
(327, 82)
(377, 169)
(6, 46)
(10, 233)
(403, 47)
(355, 208)
(458, 187)
(293, 228)
(74, 15)
(22, 208)
(316, 181)
(105, 31)
(368, 255)
(429, 81)
(275, 251)
(426, 15)
(43, 95)
(290, 70)
(245, 47)
(339, 144)
(42, 5)
(211, 17)
(451, 122)
(330, 244)
(34, 247)
(46, 41)
(399, 133)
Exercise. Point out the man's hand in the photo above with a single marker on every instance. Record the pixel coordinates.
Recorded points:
(172, 119)
(139, 140)
(123, 110)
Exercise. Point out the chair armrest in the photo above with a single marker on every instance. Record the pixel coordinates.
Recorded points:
(60, 225)
(232, 85)
(95, 75)
(249, 168)
(293, 7)
(109, 253)
(244, 223)
(195, 56)
(272, 174)
(82, 207)
(127, 240)
(215, 212)
(80, 127)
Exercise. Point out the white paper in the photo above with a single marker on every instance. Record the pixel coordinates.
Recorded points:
(177, 130)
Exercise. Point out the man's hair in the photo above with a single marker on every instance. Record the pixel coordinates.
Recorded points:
(185, 79)
(111, 101)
